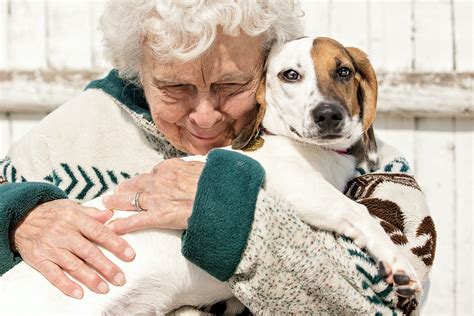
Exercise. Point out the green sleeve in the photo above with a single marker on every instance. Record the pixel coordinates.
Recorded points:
(223, 212)
(16, 200)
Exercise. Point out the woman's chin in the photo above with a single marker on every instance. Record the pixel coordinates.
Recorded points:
(203, 146)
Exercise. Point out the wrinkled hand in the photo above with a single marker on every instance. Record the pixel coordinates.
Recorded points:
(167, 196)
(56, 237)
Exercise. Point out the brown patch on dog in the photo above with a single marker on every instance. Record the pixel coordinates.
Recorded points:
(2, 180)
(250, 131)
(357, 93)
(428, 250)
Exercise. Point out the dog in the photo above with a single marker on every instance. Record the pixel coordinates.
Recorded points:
(316, 104)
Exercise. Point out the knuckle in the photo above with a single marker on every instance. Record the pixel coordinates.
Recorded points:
(73, 266)
(91, 253)
(109, 269)
(101, 233)
(93, 279)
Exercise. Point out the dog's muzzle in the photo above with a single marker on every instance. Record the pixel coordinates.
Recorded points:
(329, 119)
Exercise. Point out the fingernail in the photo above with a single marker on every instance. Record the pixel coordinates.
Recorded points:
(119, 279)
(103, 287)
(129, 253)
(77, 294)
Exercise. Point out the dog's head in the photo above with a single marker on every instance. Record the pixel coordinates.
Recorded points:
(318, 91)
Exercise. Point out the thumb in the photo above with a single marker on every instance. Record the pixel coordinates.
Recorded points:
(99, 215)
(132, 223)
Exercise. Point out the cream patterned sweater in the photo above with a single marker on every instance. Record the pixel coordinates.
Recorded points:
(274, 262)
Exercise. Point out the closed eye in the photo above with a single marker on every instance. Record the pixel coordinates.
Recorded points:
(230, 89)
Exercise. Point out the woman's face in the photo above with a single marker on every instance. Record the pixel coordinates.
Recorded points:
(205, 103)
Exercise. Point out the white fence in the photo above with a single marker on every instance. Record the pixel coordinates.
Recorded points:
(422, 51)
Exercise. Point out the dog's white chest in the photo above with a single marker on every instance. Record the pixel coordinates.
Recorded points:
(296, 169)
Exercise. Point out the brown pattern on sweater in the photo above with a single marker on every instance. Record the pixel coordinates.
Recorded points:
(364, 186)
(391, 218)
(428, 250)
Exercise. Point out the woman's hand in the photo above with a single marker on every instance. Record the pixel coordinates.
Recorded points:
(57, 237)
(167, 195)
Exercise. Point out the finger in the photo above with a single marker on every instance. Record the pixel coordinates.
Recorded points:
(132, 223)
(99, 215)
(92, 255)
(81, 272)
(124, 201)
(105, 237)
(56, 277)
(138, 183)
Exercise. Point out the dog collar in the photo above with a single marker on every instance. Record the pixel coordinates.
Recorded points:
(341, 152)
(263, 130)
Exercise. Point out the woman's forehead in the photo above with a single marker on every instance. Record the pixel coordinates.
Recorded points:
(231, 58)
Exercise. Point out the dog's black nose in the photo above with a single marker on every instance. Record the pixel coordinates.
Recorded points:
(328, 117)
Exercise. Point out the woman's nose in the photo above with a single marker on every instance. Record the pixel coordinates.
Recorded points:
(206, 112)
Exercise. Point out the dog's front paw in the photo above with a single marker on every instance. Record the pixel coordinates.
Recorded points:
(402, 276)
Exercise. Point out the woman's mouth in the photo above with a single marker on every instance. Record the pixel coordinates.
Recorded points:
(205, 136)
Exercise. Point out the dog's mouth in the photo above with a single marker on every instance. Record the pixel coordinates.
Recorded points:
(318, 138)
(294, 131)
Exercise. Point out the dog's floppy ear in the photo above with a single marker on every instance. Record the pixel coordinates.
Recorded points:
(251, 130)
(367, 98)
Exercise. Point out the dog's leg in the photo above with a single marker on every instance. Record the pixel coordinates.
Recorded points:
(327, 208)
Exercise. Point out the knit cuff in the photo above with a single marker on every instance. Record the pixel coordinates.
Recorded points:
(16, 200)
(223, 212)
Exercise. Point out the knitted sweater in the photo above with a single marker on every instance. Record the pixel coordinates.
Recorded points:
(237, 232)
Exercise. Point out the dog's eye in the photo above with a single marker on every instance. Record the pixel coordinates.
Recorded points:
(290, 75)
(344, 72)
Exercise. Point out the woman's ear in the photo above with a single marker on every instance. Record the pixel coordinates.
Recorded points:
(251, 130)
(367, 98)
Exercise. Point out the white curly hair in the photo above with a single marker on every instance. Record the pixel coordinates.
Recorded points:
(185, 29)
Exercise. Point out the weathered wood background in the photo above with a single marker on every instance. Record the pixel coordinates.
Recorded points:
(422, 51)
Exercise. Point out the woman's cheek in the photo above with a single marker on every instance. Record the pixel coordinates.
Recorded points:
(168, 111)
(241, 106)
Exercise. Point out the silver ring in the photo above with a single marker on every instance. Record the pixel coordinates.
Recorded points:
(136, 202)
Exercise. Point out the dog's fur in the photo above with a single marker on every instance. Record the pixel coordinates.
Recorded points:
(303, 80)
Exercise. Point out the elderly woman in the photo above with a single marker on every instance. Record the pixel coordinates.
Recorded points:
(185, 78)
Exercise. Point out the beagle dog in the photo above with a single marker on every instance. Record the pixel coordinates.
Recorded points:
(317, 104)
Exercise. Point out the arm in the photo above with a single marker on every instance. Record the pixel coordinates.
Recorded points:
(279, 252)
(50, 231)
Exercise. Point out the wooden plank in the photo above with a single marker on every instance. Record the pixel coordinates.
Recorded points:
(4, 135)
(433, 35)
(399, 132)
(434, 152)
(69, 34)
(26, 34)
(349, 22)
(98, 60)
(22, 124)
(448, 94)
(390, 31)
(409, 94)
(463, 34)
(41, 91)
(3, 33)
(316, 18)
(464, 140)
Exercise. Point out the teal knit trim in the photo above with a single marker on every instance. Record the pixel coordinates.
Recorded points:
(124, 91)
(223, 212)
(16, 200)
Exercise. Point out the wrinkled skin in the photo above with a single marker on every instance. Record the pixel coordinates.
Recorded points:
(198, 105)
